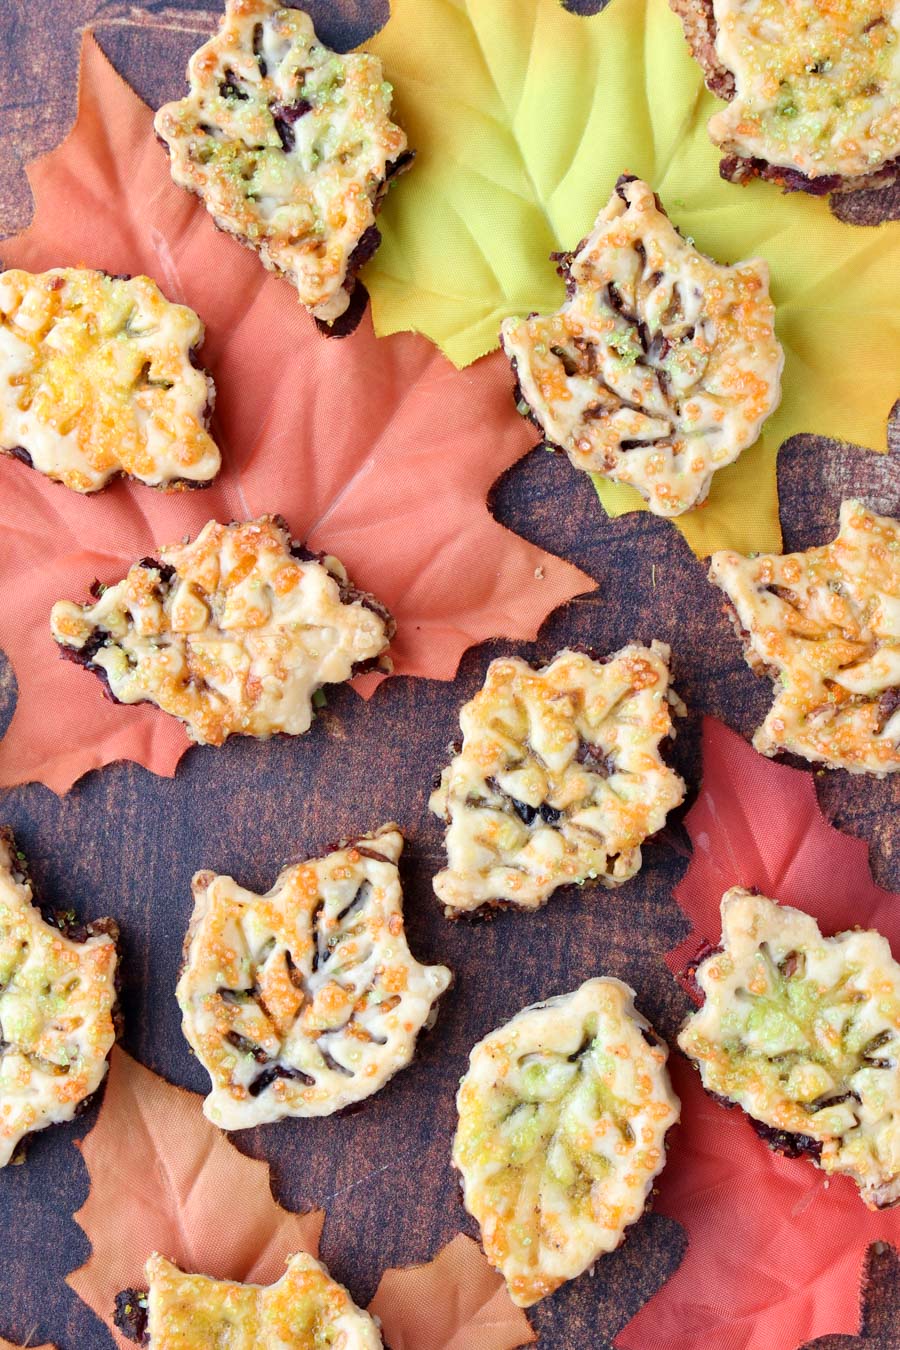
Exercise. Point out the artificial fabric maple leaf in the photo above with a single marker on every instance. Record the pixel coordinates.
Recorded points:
(379, 452)
(775, 1252)
(525, 116)
(164, 1178)
(455, 1302)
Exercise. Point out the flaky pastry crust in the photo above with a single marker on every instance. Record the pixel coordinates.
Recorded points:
(307, 999)
(813, 89)
(825, 625)
(562, 1121)
(803, 1032)
(57, 1008)
(289, 145)
(305, 1310)
(559, 778)
(234, 633)
(97, 378)
(661, 366)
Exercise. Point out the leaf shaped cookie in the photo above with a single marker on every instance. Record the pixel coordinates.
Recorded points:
(559, 778)
(233, 633)
(307, 999)
(661, 366)
(812, 90)
(803, 1032)
(303, 1310)
(98, 376)
(563, 1115)
(58, 1007)
(289, 145)
(825, 625)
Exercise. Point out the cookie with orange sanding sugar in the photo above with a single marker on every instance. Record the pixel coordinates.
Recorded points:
(563, 1116)
(58, 1007)
(290, 146)
(98, 377)
(803, 1032)
(307, 999)
(660, 367)
(234, 633)
(812, 90)
(825, 626)
(559, 778)
(305, 1310)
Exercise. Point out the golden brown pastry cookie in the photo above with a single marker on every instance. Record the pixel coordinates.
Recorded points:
(58, 1007)
(305, 1310)
(289, 145)
(307, 999)
(559, 777)
(803, 1032)
(661, 366)
(563, 1115)
(234, 633)
(98, 378)
(825, 625)
(813, 89)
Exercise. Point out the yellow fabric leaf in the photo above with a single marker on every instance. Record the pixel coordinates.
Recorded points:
(524, 115)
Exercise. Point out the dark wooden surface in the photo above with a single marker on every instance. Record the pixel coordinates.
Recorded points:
(126, 843)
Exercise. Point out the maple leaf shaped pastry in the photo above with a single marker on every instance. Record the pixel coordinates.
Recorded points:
(825, 625)
(98, 378)
(813, 90)
(233, 633)
(559, 778)
(802, 1032)
(660, 367)
(58, 1008)
(305, 1310)
(306, 999)
(562, 1121)
(289, 145)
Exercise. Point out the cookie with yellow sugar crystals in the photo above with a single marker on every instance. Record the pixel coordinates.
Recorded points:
(660, 367)
(559, 778)
(825, 626)
(58, 1007)
(563, 1116)
(290, 146)
(803, 1032)
(234, 633)
(812, 89)
(98, 377)
(304, 1310)
(307, 999)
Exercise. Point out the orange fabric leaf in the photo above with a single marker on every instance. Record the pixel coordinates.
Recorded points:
(455, 1302)
(163, 1178)
(376, 450)
(775, 1249)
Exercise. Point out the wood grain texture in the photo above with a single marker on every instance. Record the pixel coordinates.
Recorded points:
(126, 843)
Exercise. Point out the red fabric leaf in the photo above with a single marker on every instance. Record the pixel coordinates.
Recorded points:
(378, 451)
(775, 1248)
